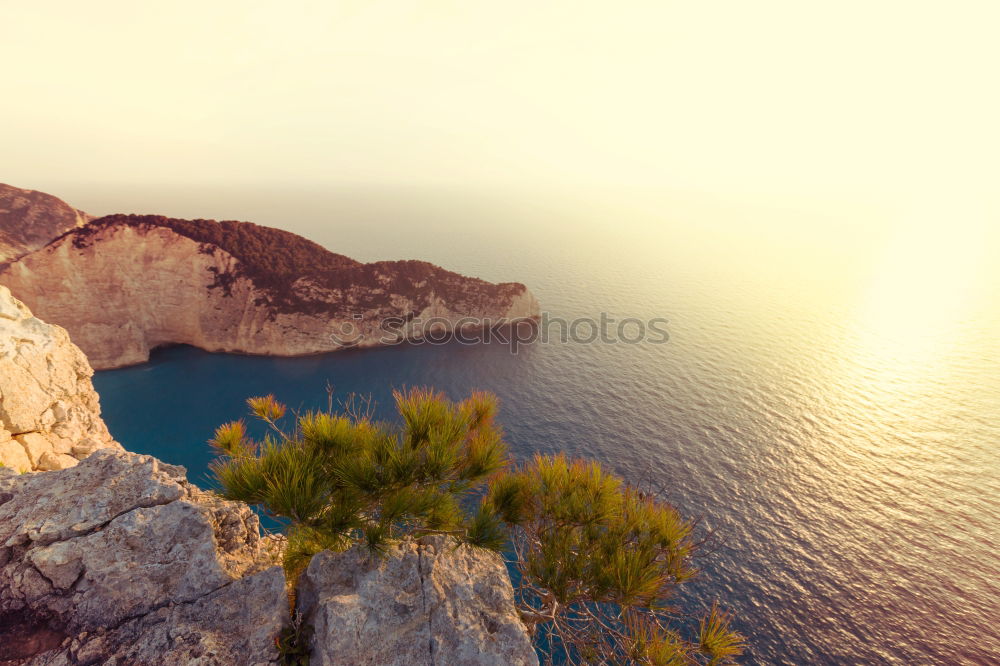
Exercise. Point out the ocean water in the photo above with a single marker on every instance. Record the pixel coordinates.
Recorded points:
(828, 402)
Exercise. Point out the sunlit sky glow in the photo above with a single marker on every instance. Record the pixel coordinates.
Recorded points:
(871, 97)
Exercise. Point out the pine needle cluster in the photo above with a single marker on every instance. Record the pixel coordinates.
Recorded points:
(338, 480)
(598, 563)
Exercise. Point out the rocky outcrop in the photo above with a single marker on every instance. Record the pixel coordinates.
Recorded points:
(123, 285)
(50, 417)
(30, 220)
(425, 603)
(121, 561)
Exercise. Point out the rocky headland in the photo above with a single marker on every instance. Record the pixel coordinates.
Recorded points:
(123, 285)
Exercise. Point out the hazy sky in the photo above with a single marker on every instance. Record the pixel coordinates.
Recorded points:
(850, 98)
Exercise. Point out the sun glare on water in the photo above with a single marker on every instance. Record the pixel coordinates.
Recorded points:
(926, 284)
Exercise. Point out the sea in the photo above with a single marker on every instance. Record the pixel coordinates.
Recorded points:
(826, 402)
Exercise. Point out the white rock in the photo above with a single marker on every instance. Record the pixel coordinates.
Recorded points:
(85, 447)
(51, 461)
(46, 397)
(430, 603)
(13, 455)
(35, 444)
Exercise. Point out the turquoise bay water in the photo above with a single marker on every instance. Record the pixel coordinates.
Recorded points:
(827, 404)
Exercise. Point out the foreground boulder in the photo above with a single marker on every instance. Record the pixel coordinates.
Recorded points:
(119, 560)
(425, 603)
(50, 417)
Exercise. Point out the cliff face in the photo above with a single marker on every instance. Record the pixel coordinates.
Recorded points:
(30, 219)
(50, 416)
(123, 285)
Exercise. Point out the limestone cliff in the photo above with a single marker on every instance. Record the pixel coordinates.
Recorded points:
(50, 416)
(123, 285)
(30, 220)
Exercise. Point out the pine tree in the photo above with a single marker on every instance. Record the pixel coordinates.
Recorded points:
(597, 561)
(342, 479)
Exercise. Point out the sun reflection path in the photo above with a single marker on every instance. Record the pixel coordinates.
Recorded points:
(928, 282)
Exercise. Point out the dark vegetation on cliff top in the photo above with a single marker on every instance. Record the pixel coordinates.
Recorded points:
(275, 260)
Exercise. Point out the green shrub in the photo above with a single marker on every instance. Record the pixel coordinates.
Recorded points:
(598, 561)
(293, 643)
(340, 480)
